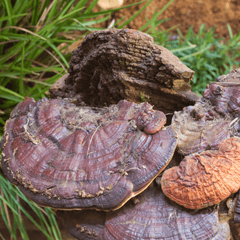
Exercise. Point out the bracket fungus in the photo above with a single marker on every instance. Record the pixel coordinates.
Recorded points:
(64, 156)
(83, 224)
(197, 127)
(114, 64)
(149, 216)
(224, 94)
(205, 179)
(196, 134)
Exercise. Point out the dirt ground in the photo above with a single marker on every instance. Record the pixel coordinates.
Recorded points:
(181, 13)
(185, 13)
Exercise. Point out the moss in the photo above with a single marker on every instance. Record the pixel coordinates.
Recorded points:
(144, 97)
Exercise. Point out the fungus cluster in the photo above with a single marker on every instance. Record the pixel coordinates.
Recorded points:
(88, 149)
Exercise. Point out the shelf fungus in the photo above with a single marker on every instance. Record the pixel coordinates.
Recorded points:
(198, 127)
(83, 224)
(205, 179)
(196, 132)
(114, 64)
(151, 216)
(65, 156)
(224, 94)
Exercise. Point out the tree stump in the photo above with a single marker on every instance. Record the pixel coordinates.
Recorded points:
(113, 64)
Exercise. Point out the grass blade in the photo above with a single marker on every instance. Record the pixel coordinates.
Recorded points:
(9, 94)
(8, 7)
(13, 16)
(134, 15)
(155, 16)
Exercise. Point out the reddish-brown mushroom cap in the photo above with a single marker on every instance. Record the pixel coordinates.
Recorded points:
(65, 156)
(150, 216)
(224, 94)
(205, 179)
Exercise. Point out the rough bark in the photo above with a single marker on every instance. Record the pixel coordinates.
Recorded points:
(112, 64)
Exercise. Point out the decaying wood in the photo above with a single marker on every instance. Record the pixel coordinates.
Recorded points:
(112, 64)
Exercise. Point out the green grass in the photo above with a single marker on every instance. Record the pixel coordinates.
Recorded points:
(10, 202)
(32, 59)
(203, 52)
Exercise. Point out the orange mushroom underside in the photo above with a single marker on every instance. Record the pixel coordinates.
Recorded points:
(205, 179)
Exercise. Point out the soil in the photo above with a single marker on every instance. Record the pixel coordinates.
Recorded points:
(181, 14)
(185, 13)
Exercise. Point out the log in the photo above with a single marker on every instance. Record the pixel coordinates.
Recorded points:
(113, 64)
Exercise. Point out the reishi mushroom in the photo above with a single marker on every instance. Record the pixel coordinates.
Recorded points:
(196, 134)
(150, 215)
(198, 127)
(205, 179)
(64, 156)
(83, 224)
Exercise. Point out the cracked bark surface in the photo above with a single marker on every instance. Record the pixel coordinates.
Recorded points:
(112, 64)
